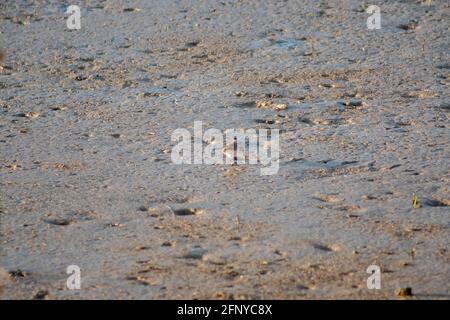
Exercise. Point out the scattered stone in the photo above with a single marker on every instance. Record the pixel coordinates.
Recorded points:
(58, 108)
(142, 248)
(131, 10)
(412, 253)
(195, 253)
(230, 275)
(152, 94)
(354, 94)
(12, 166)
(326, 198)
(404, 292)
(322, 247)
(272, 95)
(350, 208)
(241, 94)
(327, 85)
(116, 135)
(443, 66)
(271, 105)
(266, 121)
(154, 213)
(306, 120)
(18, 273)
(279, 106)
(200, 56)
(445, 107)
(187, 212)
(280, 253)
(436, 202)
(192, 44)
(29, 115)
(142, 280)
(369, 197)
(59, 221)
(302, 287)
(41, 295)
(419, 94)
(87, 59)
(406, 264)
(353, 103)
(220, 295)
(114, 225)
(80, 78)
(412, 25)
(167, 244)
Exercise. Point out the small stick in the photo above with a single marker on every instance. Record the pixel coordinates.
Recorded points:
(173, 212)
(238, 221)
(414, 201)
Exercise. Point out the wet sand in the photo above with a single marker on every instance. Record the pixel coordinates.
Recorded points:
(86, 176)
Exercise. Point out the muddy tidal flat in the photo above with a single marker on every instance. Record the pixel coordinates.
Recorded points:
(89, 189)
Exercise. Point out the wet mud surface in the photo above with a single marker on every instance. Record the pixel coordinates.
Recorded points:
(86, 176)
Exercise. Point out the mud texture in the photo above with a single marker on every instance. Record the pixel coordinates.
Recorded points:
(86, 176)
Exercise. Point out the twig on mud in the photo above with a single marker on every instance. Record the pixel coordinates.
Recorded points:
(171, 210)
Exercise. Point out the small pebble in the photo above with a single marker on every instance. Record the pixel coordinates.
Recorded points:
(187, 212)
(271, 105)
(131, 10)
(404, 292)
(167, 244)
(59, 221)
(29, 115)
(196, 253)
(17, 273)
(409, 26)
(41, 295)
